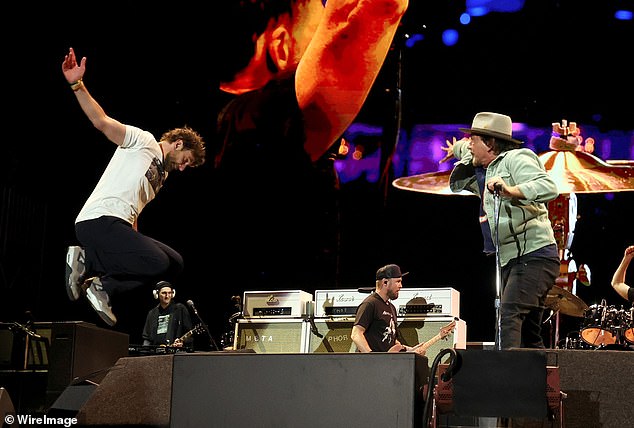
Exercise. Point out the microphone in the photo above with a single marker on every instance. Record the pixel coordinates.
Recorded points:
(190, 303)
(497, 188)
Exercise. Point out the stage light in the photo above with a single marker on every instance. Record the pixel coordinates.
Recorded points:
(450, 37)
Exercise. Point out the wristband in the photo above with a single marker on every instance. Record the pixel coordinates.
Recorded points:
(75, 86)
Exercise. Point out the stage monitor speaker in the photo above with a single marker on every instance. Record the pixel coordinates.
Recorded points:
(82, 351)
(6, 408)
(238, 390)
(135, 392)
(70, 401)
(511, 383)
(271, 335)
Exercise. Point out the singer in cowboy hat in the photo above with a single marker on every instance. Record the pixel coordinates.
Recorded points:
(494, 165)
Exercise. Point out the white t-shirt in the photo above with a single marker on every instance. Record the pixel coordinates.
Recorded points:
(132, 178)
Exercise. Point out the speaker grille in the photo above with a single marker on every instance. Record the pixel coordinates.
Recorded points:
(331, 336)
(271, 336)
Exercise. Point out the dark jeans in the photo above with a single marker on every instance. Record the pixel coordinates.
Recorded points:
(526, 282)
(124, 258)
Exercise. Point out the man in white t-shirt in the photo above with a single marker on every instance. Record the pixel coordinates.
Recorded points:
(114, 256)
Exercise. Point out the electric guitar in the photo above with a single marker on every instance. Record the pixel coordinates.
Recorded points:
(198, 328)
(444, 331)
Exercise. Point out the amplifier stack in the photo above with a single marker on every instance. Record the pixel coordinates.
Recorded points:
(290, 321)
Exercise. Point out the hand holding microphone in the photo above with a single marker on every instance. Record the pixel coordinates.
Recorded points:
(495, 186)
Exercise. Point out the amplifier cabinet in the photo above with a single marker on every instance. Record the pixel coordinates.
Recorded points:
(331, 335)
(271, 335)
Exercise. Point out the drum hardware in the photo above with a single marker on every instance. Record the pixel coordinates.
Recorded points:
(573, 341)
(227, 339)
(559, 300)
(629, 328)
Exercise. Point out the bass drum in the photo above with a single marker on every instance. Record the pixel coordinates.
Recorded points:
(600, 325)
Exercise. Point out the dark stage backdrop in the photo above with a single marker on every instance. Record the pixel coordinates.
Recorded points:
(548, 62)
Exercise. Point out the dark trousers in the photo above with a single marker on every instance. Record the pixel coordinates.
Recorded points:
(526, 282)
(124, 258)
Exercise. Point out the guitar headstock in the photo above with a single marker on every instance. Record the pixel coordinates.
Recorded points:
(444, 331)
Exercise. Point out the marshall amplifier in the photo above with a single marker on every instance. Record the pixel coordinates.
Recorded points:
(337, 303)
(271, 335)
(416, 302)
(277, 304)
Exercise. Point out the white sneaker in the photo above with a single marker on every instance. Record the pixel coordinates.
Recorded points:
(75, 270)
(100, 301)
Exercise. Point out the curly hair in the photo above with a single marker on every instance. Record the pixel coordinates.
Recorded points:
(191, 141)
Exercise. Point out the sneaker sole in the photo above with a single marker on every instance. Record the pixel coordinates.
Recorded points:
(73, 288)
(104, 317)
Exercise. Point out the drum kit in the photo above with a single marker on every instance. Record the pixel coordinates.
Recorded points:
(575, 170)
(601, 327)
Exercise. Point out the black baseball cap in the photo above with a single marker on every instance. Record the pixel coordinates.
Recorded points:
(389, 271)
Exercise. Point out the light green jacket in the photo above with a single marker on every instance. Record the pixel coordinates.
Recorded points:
(524, 224)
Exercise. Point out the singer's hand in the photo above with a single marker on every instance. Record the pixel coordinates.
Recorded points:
(496, 185)
(449, 149)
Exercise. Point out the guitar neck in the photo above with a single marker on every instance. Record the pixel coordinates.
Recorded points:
(426, 345)
(444, 332)
(189, 334)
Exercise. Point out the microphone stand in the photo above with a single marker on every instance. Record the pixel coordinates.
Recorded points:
(498, 267)
(211, 339)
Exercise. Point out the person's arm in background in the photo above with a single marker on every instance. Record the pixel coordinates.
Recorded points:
(340, 65)
(618, 279)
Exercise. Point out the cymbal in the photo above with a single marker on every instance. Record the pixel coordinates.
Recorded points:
(573, 171)
(431, 182)
(580, 172)
(559, 299)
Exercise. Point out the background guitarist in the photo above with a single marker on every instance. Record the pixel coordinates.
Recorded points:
(375, 325)
(169, 322)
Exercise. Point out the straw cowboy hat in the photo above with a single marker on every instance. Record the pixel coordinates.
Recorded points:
(492, 125)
